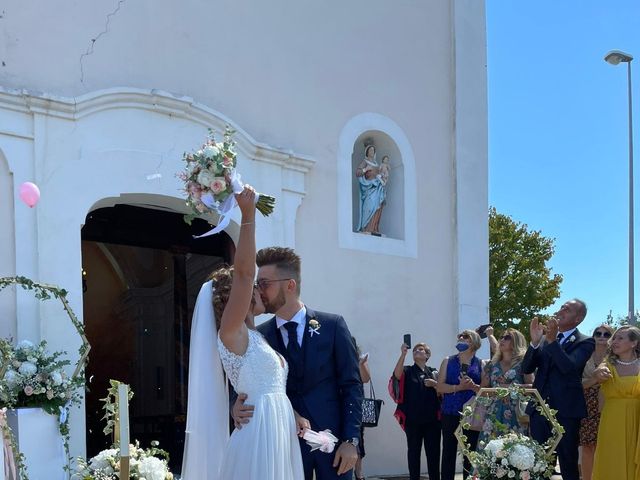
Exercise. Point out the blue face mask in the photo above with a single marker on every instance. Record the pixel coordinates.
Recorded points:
(462, 346)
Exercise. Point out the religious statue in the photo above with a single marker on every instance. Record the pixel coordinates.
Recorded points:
(372, 180)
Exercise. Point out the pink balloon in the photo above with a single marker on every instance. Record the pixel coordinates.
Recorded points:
(29, 194)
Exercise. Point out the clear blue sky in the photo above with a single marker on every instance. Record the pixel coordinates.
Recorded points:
(558, 136)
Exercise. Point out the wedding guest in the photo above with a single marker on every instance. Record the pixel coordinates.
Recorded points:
(365, 376)
(617, 454)
(559, 352)
(504, 369)
(420, 409)
(458, 381)
(589, 424)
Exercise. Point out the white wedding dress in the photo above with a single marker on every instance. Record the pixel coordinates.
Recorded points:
(267, 448)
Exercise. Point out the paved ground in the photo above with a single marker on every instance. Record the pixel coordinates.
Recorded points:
(426, 477)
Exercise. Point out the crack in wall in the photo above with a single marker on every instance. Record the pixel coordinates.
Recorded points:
(91, 47)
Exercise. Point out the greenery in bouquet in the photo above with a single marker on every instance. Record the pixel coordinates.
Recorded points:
(36, 378)
(210, 178)
(144, 464)
(514, 456)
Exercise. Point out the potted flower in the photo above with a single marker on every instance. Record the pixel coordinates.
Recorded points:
(36, 392)
(150, 464)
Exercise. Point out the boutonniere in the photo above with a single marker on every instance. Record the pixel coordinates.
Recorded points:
(572, 338)
(314, 327)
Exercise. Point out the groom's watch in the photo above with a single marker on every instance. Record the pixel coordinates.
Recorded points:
(355, 441)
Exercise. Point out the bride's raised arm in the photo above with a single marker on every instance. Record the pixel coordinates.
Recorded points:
(233, 331)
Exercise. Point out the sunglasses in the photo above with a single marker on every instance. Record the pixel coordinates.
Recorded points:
(506, 336)
(598, 334)
(464, 336)
(263, 283)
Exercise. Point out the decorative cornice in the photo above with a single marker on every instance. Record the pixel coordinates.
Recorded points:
(157, 101)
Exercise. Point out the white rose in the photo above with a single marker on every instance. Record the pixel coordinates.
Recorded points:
(511, 474)
(205, 178)
(27, 369)
(210, 151)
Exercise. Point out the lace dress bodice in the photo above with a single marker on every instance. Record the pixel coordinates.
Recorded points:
(261, 370)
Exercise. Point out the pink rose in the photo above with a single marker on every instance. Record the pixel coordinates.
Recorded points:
(227, 162)
(49, 394)
(28, 390)
(525, 475)
(218, 185)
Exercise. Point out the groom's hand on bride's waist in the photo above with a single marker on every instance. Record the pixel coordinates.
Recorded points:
(241, 412)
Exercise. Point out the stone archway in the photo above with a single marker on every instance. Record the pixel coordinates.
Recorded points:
(142, 271)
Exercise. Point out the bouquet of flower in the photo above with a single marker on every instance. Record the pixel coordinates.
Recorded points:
(35, 378)
(211, 179)
(513, 456)
(144, 464)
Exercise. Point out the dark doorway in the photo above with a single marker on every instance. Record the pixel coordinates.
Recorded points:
(142, 271)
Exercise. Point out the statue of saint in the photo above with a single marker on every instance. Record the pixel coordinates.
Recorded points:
(372, 181)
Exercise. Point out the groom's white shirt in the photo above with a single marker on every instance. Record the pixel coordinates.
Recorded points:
(298, 318)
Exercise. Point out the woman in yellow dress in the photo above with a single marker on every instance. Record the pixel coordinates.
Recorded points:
(618, 448)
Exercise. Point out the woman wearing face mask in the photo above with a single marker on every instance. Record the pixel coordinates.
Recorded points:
(459, 380)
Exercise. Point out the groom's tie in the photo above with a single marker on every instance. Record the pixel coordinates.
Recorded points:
(293, 349)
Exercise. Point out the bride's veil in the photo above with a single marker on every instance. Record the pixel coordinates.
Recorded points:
(207, 429)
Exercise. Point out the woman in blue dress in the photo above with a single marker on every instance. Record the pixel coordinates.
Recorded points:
(458, 381)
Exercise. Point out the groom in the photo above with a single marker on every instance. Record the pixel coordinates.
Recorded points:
(324, 383)
(559, 352)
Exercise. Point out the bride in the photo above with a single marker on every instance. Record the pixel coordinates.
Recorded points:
(268, 447)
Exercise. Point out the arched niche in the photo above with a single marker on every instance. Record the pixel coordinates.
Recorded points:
(391, 183)
(398, 222)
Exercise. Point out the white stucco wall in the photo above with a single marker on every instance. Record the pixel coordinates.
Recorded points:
(290, 76)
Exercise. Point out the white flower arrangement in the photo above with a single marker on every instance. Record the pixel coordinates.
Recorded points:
(144, 464)
(35, 378)
(513, 456)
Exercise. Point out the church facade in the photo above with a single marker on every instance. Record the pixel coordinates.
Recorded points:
(366, 120)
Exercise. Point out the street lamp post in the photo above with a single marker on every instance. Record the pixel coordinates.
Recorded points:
(614, 57)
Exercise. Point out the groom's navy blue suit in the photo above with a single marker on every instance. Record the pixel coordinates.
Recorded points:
(558, 379)
(324, 386)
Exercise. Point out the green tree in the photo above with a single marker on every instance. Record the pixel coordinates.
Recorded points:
(520, 282)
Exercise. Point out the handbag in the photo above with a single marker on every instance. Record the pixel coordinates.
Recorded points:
(478, 414)
(371, 409)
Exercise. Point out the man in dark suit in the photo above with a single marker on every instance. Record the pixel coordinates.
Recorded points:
(324, 383)
(558, 354)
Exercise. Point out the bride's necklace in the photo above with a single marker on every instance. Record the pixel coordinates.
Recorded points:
(627, 363)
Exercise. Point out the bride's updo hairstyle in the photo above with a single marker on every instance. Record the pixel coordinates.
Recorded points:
(222, 280)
